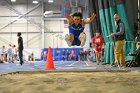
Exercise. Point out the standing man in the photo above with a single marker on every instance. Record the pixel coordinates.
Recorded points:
(119, 37)
(76, 24)
(20, 48)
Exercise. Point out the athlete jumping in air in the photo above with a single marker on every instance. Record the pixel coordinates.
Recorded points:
(76, 24)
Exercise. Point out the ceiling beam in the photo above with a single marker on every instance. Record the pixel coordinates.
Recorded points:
(70, 3)
(19, 13)
(86, 4)
(76, 3)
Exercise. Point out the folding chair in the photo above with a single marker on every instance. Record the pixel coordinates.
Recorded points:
(136, 59)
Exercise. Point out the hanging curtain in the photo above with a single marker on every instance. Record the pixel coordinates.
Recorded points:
(95, 25)
(105, 10)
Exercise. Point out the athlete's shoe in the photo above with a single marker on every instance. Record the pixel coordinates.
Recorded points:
(83, 40)
(67, 39)
(119, 66)
(97, 62)
(21, 63)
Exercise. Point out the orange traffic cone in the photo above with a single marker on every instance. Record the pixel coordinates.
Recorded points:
(49, 62)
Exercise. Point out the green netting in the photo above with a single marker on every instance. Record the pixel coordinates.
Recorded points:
(108, 26)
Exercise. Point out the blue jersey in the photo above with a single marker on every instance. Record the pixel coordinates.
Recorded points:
(76, 30)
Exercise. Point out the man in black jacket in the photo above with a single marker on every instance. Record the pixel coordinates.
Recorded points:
(20, 48)
(119, 41)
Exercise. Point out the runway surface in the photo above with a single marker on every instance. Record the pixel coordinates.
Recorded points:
(40, 65)
(59, 66)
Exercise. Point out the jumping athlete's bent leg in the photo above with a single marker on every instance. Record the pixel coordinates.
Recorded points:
(69, 38)
(82, 38)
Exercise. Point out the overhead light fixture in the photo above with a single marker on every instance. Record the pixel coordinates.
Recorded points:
(34, 2)
(50, 1)
(48, 12)
(13, 0)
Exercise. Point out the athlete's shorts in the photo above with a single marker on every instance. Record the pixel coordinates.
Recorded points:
(98, 50)
(76, 42)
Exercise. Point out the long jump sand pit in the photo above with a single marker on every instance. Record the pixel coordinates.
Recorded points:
(71, 82)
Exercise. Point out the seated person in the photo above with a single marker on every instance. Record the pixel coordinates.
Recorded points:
(72, 55)
(63, 55)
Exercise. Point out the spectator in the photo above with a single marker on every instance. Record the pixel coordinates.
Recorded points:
(63, 55)
(10, 54)
(80, 55)
(67, 55)
(20, 48)
(119, 37)
(72, 54)
(3, 54)
(98, 44)
(14, 53)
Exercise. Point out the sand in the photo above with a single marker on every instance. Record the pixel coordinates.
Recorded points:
(71, 82)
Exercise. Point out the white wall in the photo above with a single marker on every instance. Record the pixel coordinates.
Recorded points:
(32, 29)
(55, 36)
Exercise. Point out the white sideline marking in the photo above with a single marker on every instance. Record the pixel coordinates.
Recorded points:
(72, 64)
(86, 63)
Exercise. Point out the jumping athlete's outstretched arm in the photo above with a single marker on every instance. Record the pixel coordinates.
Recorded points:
(90, 19)
(69, 19)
